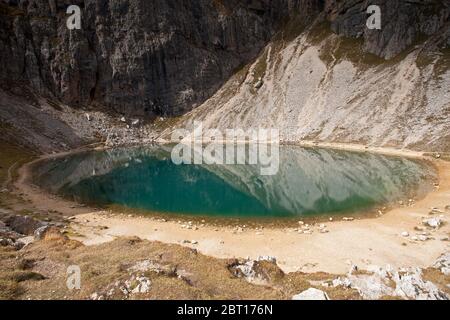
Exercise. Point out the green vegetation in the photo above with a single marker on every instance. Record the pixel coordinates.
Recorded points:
(10, 157)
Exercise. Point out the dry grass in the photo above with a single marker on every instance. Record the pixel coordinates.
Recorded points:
(438, 278)
(45, 263)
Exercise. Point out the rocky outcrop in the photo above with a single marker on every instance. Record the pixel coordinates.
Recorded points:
(378, 282)
(134, 56)
(23, 224)
(403, 23)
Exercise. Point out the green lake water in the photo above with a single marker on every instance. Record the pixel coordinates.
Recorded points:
(309, 182)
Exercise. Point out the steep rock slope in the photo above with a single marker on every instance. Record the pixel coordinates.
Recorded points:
(329, 87)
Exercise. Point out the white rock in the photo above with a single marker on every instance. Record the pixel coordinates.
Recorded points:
(443, 263)
(412, 286)
(267, 258)
(405, 234)
(353, 268)
(311, 294)
(259, 84)
(143, 286)
(94, 296)
(26, 240)
(433, 222)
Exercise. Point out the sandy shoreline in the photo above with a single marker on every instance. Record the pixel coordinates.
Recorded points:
(362, 242)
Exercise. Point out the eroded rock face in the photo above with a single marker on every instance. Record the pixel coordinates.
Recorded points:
(135, 56)
(402, 23)
(164, 57)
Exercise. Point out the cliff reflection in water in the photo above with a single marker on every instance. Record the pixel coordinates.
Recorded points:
(309, 182)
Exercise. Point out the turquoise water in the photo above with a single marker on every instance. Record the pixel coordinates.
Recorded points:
(309, 182)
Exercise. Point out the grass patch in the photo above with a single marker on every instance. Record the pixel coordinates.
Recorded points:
(438, 278)
(10, 155)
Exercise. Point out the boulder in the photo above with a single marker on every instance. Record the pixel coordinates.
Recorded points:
(259, 84)
(443, 263)
(23, 224)
(311, 294)
(49, 234)
(25, 240)
(433, 222)
(40, 232)
(262, 271)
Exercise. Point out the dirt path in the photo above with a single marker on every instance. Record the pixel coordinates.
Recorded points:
(362, 242)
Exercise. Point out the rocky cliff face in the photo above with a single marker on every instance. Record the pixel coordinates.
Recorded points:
(137, 57)
(404, 22)
(166, 57)
(330, 86)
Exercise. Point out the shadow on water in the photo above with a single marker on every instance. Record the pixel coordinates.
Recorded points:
(310, 182)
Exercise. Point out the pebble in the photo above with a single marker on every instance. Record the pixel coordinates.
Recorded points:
(435, 211)
(405, 234)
